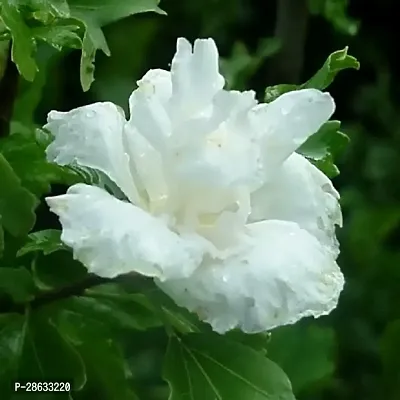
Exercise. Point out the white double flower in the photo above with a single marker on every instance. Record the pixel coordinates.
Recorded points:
(219, 209)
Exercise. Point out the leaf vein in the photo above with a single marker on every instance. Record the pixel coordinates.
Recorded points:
(241, 378)
(209, 380)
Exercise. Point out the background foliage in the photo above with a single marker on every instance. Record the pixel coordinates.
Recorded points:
(352, 354)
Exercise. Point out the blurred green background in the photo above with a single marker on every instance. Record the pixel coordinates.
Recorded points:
(355, 352)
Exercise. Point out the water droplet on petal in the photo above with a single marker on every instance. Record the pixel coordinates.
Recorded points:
(90, 114)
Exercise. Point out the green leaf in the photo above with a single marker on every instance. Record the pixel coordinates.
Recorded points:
(23, 44)
(17, 204)
(47, 241)
(337, 61)
(208, 366)
(57, 358)
(11, 341)
(94, 14)
(119, 310)
(59, 35)
(22, 149)
(103, 12)
(57, 270)
(17, 283)
(325, 146)
(106, 370)
(257, 341)
(32, 348)
(327, 140)
(305, 352)
(62, 24)
(55, 8)
(273, 92)
(30, 95)
(327, 166)
(106, 373)
(175, 318)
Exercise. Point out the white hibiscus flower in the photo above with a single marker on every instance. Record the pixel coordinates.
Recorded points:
(219, 209)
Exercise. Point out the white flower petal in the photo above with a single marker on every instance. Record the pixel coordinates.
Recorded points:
(226, 217)
(149, 117)
(112, 237)
(148, 166)
(92, 136)
(157, 81)
(280, 276)
(149, 109)
(221, 150)
(225, 227)
(287, 122)
(225, 106)
(299, 192)
(195, 76)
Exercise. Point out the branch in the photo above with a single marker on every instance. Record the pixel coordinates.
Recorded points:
(68, 291)
(291, 30)
(51, 296)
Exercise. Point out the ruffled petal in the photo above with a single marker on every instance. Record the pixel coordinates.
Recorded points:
(164, 100)
(230, 222)
(92, 136)
(281, 274)
(195, 77)
(147, 136)
(149, 116)
(157, 81)
(299, 192)
(147, 165)
(286, 123)
(112, 237)
(200, 166)
(219, 150)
